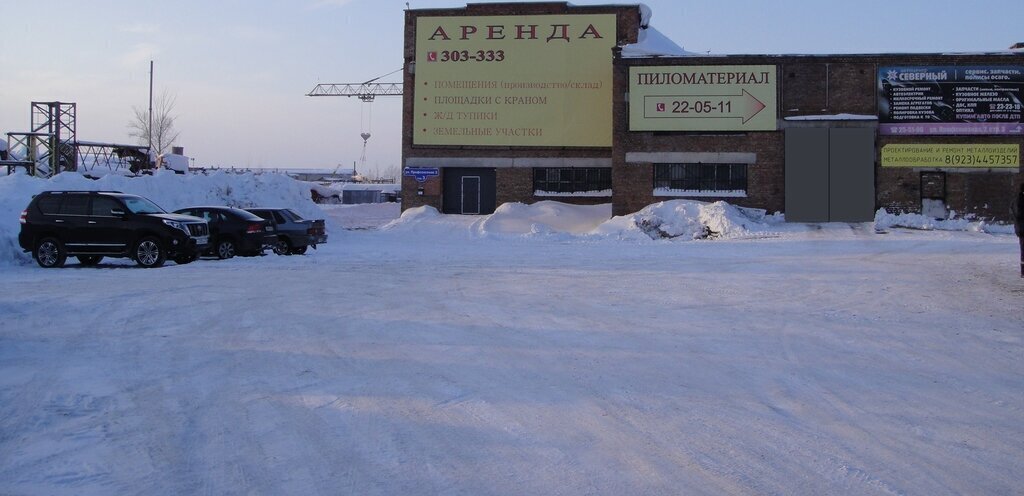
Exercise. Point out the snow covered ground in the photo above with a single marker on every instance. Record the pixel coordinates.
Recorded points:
(513, 355)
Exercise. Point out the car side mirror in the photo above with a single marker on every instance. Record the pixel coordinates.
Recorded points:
(117, 212)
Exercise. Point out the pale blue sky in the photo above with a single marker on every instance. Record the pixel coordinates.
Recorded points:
(240, 69)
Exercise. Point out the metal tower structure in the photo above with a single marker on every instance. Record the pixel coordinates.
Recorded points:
(51, 142)
(52, 146)
(60, 121)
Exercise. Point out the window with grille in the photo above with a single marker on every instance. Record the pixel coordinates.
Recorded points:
(700, 179)
(572, 180)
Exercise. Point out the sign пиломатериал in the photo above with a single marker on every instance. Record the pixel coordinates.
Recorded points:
(703, 98)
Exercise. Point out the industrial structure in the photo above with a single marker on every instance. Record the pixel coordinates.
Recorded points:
(366, 92)
(51, 146)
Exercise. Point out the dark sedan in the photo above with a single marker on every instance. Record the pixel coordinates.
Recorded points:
(234, 231)
(293, 232)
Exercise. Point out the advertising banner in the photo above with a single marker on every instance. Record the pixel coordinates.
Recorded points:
(536, 80)
(947, 100)
(951, 156)
(702, 98)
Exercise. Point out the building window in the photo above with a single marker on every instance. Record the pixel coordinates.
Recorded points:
(700, 180)
(577, 181)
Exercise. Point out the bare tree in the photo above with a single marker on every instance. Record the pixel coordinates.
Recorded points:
(163, 133)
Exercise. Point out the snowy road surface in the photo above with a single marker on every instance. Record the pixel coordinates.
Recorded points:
(828, 362)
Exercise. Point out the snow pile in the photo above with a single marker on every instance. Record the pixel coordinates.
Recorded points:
(885, 220)
(676, 219)
(686, 219)
(544, 217)
(167, 189)
(650, 42)
(426, 221)
(412, 217)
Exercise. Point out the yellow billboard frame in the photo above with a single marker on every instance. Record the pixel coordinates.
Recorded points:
(527, 80)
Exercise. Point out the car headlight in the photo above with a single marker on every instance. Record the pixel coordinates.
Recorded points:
(177, 225)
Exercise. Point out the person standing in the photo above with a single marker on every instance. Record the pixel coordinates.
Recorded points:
(1018, 224)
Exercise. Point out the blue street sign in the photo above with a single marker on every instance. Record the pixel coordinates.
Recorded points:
(420, 173)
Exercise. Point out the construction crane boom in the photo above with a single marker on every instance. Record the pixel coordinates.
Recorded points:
(364, 91)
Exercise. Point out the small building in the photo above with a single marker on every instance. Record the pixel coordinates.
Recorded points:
(355, 193)
(522, 102)
(321, 175)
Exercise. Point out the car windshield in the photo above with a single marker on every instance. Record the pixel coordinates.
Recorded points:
(140, 205)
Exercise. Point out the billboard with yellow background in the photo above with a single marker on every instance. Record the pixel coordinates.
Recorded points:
(538, 80)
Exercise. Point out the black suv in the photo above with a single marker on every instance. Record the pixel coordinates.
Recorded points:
(95, 224)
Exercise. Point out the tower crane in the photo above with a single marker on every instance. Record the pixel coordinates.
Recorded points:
(366, 92)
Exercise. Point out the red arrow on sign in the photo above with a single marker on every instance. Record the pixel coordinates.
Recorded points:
(753, 105)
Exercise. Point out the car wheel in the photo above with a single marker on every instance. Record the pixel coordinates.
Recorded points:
(225, 249)
(89, 260)
(148, 252)
(281, 247)
(299, 250)
(184, 259)
(50, 253)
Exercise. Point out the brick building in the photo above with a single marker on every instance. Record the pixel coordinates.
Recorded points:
(549, 101)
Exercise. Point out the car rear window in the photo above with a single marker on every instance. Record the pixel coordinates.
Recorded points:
(263, 214)
(293, 214)
(246, 215)
(75, 205)
(49, 204)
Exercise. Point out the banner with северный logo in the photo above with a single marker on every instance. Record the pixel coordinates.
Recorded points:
(951, 100)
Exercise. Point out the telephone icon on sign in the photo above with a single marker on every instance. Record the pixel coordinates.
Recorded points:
(431, 56)
(660, 107)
